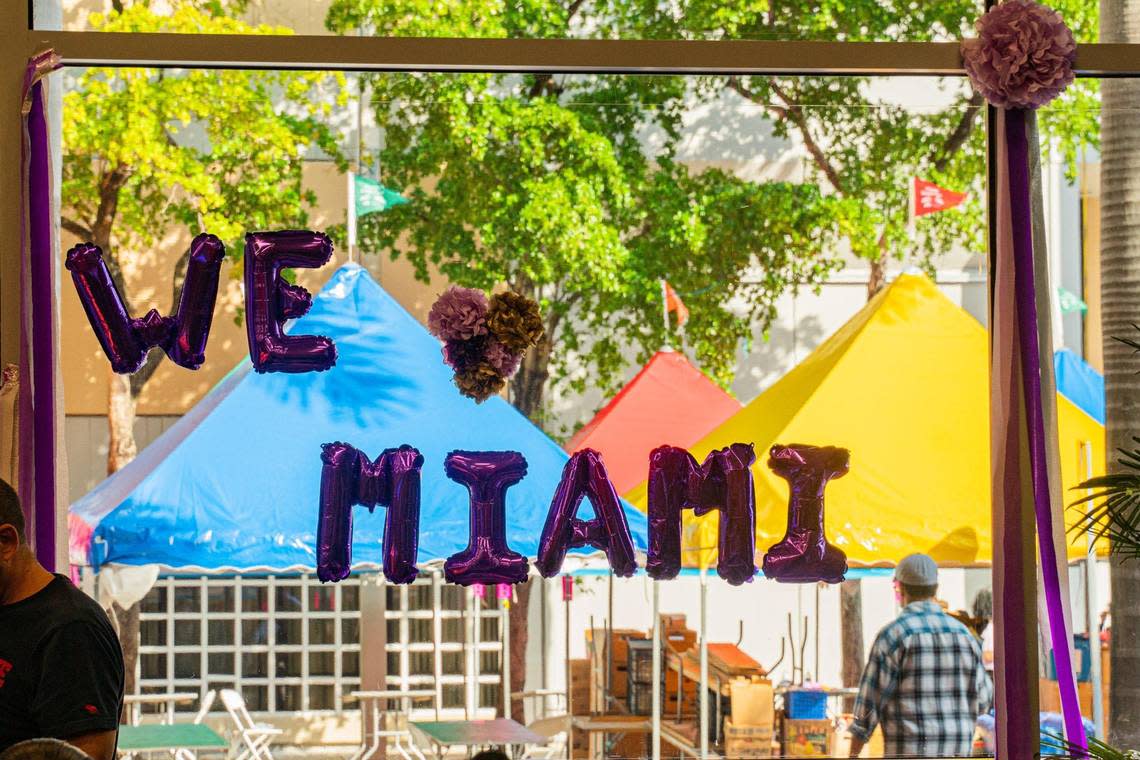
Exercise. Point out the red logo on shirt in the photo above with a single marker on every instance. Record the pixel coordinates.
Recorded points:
(5, 669)
(91, 709)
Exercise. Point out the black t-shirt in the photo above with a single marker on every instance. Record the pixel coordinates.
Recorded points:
(61, 668)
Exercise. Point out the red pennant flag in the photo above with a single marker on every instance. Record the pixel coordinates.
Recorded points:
(929, 198)
(673, 302)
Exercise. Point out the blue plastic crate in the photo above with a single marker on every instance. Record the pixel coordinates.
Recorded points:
(805, 704)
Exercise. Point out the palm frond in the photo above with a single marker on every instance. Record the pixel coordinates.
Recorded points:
(1097, 749)
(1112, 512)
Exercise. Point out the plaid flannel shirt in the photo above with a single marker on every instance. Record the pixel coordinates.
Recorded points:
(925, 684)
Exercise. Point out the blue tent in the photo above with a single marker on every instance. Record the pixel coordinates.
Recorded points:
(1080, 383)
(234, 484)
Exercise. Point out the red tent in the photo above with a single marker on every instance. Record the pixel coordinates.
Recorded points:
(668, 402)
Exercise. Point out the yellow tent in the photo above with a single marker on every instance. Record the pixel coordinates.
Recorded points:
(903, 385)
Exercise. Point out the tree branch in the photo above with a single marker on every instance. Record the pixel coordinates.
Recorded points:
(154, 358)
(793, 113)
(75, 228)
(961, 133)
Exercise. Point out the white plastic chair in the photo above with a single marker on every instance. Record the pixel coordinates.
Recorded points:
(203, 711)
(551, 722)
(255, 739)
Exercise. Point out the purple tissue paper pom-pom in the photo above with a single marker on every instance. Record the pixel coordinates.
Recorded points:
(458, 314)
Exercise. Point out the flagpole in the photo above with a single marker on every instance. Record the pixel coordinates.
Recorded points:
(665, 303)
(351, 215)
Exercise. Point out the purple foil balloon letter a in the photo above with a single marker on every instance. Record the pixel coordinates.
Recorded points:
(585, 475)
(270, 301)
(723, 482)
(487, 558)
(348, 478)
(805, 555)
(126, 341)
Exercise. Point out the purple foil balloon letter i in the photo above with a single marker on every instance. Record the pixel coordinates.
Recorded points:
(487, 558)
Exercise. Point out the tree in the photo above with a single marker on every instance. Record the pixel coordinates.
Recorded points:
(146, 150)
(1120, 283)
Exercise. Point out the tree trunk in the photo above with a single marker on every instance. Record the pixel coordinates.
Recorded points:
(127, 622)
(529, 385)
(878, 276)
(1120, 289)
(121, 445)
(517, 621)
(851, 635)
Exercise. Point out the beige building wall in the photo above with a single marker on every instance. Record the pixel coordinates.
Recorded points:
(173, 389)
(1090, 248)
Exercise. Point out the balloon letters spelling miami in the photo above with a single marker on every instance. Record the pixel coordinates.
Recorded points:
(723, 482)
(270, 301)
(348, 478)
(805, 555)
(127, 340)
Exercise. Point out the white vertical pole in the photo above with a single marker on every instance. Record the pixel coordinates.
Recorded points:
(656, 692)
(437, 638)
(704, 644)
(1092, 618)
(505, 627)
(477, 639)
(351, 216)
(665, 303)
(470, 695)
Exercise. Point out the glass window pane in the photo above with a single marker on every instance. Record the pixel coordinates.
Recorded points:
(254, 599)
(453, 663)
(220, 599)
(187, 665)
(152, 633)
(288, 698)
(453, 630)
(323, 599)
(288, 631)
(322, 663)
(187, 599)
(350, 631)
(289, 599)
(288, 664)
(152, 665)
(322, 697)
(255, 631)
(221, 632)
(187, 632)
(220, 663)
(256, 698)
(350, 663)
(154, 601)
(350, 597)
(254, 665)
(453, 696)
(322, 631)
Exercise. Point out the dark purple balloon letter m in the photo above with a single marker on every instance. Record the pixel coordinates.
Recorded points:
(348, 478)
(723, 482)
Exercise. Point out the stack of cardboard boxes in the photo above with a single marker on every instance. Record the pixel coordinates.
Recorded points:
(748, 730)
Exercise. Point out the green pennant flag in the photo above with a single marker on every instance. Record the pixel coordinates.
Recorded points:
(1069, 302)
(372, 196)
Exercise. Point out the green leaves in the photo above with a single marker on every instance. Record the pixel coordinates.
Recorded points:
(217, 151)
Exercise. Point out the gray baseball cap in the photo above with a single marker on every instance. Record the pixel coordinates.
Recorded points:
(917, 570)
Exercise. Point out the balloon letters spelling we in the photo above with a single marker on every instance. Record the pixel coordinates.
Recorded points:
(723, 482)
(585, 475)
(348, 478)
(126, 341)
(270, 301)
(805, 555)
(487, 558)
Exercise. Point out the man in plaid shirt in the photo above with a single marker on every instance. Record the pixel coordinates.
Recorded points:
(925, 682)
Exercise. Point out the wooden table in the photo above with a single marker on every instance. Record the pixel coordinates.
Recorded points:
(136, 701)
(164, 737)
(500, 732)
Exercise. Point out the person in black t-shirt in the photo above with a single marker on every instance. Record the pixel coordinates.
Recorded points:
(61, 668)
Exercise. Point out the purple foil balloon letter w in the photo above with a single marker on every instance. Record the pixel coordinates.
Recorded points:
(270, 301)
(585, 475)
(126, 340)
(348, 478)
(487, 558)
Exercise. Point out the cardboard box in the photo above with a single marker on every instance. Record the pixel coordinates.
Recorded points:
(753, 703)
(807, 738)
(747, 741)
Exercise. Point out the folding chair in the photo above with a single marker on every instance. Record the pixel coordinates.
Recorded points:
(254, 739)
(203, 711)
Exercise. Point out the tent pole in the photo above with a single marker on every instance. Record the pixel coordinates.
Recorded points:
(1092, 620)
(437, 637)
(704, 644)
(655, 722)
(609, 645)
(505, 627)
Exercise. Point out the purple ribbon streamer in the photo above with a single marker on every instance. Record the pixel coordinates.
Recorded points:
(40, 351)
(1017, 146)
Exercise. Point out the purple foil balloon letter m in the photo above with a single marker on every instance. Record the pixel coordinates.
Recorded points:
(723, 482)
(585, 475)
(270, 301)
(348, 478)
(487, 558)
